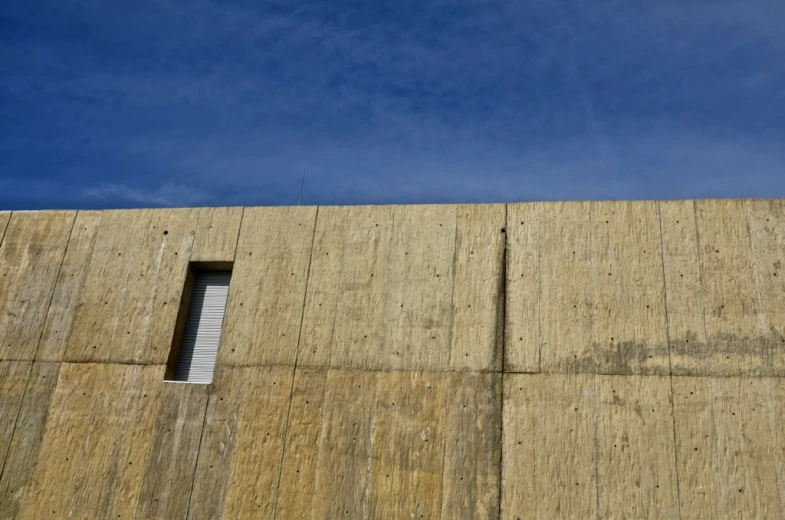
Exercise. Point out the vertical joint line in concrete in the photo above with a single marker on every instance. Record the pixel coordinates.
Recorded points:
(388, 267)
(503, 334)
(294, 367)
(239, 232)
(339, 287)
(452, 289)
(366, 503)
(501, 337)
(305, 293)
(664, 291)
(193, 238)
(5, 227)
(761, 311)
(778, 442)
(592, 285)
(670, 360)
(54, 287)
(198, 452)
(597, 515)
(700, 268)
(16, 420)
(500, 484)
(539, 286)
(38, 343)
(444, 457)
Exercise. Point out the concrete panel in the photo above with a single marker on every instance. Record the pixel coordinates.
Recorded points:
(723, 291)
(174, 446)
(408, 446)
(636, 454)
(239, 460)
(366, 444)
(602, 306)
(767, 229)
(389, 290)
(359, 329)
(471, 470)
(418, 310)
(580, 446)
(13, 380)
(28, 433)
(737, 344)
(128, 305)
(67, 429)
(684, 288)
(549, 467)
(216, 234)
(30, 258)
(265, 307)
(478, 297)
(298, 495)
(96, 442)
(327, 267)
(522, 308)
(107, 277)
(729, 443)
(68, 287)
(567, 290)
(334, 413)
(628, 313)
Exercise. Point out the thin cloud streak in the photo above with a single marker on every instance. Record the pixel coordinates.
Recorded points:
(166, 195)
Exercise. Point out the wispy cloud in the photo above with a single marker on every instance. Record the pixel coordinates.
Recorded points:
(460, 100)
(166, 195)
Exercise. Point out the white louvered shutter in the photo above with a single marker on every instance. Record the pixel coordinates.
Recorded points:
(199, 346)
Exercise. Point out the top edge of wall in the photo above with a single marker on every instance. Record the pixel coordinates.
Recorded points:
(547, 201)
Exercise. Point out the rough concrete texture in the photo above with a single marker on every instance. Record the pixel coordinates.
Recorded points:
(534, 360)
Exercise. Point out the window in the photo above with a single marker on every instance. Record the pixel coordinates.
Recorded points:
(195, 345)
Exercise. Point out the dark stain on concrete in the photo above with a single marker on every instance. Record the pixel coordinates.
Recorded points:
(729, 355)
(721, 355)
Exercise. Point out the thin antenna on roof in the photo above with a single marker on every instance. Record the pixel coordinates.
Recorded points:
(300, 197)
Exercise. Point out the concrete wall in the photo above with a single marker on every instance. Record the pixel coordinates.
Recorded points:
(542, 360)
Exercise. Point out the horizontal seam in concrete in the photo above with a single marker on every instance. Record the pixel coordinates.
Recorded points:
(363, 369)
(663, 375)
(413, 370)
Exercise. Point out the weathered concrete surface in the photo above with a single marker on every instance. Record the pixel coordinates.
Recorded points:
(729, 440)
(128, 304)
(216, 234)
(13, 380)
(391, 445)
(28, 431)
(537, 360)
(174, 447)
(723, 263)
(60, 315)
(405, 288)
(30, 256)
(581, 446)
(265, 307)
(92, 456)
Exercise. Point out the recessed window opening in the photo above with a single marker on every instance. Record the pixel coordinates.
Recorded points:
(198, 334)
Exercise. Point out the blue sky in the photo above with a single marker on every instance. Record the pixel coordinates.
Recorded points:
(208, 102)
